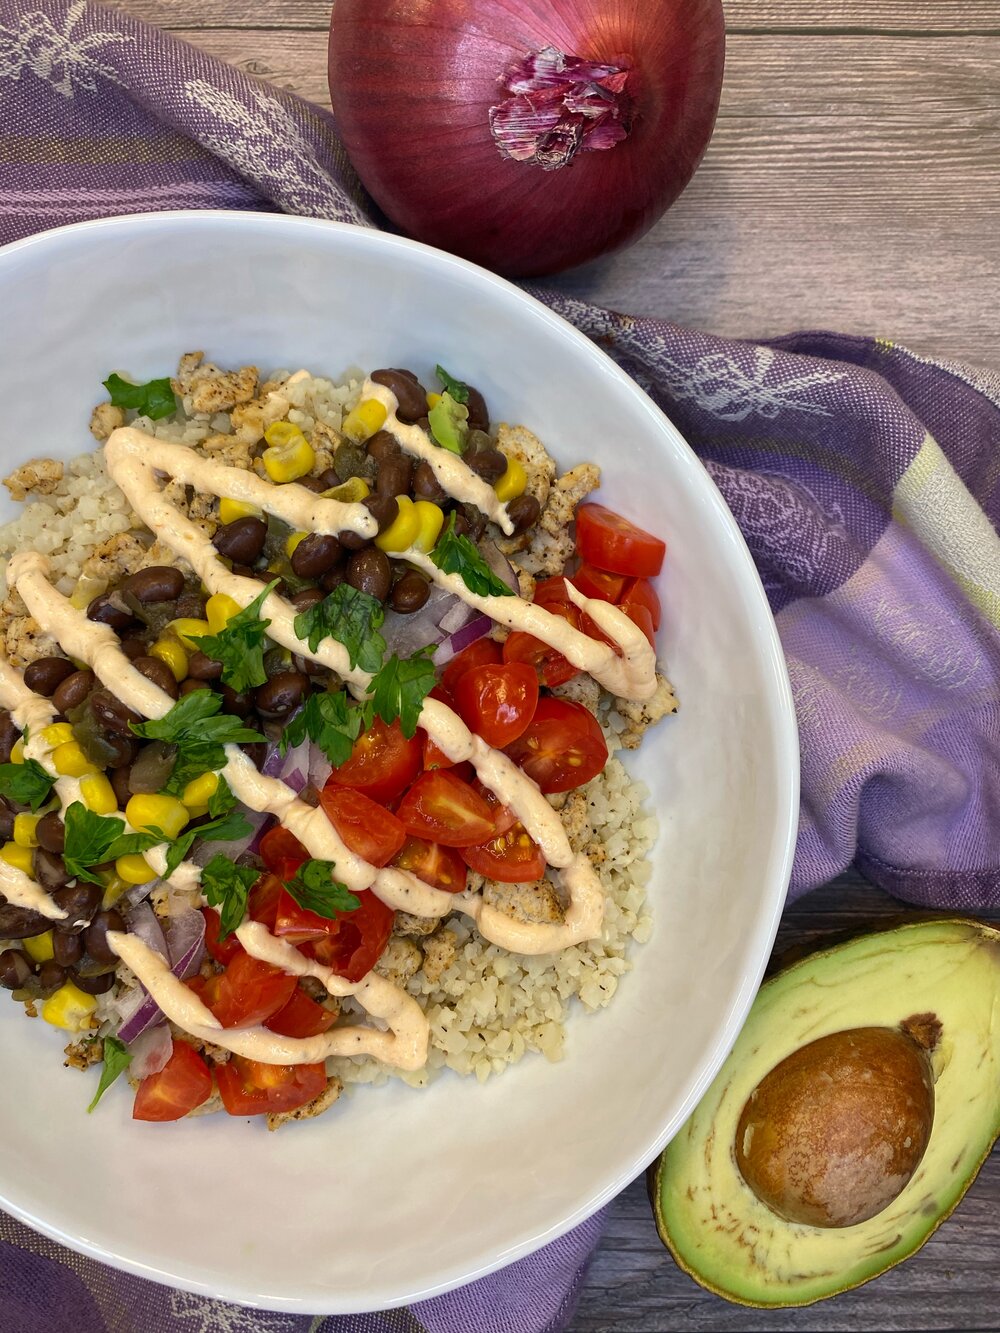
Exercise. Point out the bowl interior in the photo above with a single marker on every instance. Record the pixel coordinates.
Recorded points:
(400, 1193)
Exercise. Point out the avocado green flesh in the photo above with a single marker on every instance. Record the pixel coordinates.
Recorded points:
(716, 1227)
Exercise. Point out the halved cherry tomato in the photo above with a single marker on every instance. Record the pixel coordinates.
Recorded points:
(301, 1017)
(383, 763)
(480, 653)
(295, 924)
(640, 616)
(262, 905)
(552, 589)
(441, 867)
(248, 992)
(498, 701)
(223, 951)
(355, 941)
(248, 1087)
(183, 1083)
(442, 808)
(562, 748)
(605, 539)
(513, 858)
(640, 592)
(282, 852)
(433, 757)
(552, 667)
(594, 582)
(368, 829)
(503, 816)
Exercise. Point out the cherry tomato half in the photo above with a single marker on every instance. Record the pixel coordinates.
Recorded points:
(301, 1017)
(562, 748)
(368, 829)
(441, 867)
(503, 816)
(183, 1083)
(442, 808)
(594, 582)
(383, 763)
(480, 653)
(605, 539)
(513, 858)
(248, 992)
(355, 941)
(248, 1087)
(262, 905)
(640, 592)
(498, 701)
(223, 951)
(282, 852)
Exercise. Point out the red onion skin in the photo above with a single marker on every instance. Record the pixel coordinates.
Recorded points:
(412, 82)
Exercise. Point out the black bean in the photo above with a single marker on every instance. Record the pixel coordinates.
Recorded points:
(15, 969)
(202, 667)
(45, 674)
(80, 903)
(51, 975)
(156, 583)
(308, 597)
(312, 484)
(382, 445)
(158, 672)
(523, 512)
(256, 752)
(395, 475)
(66, 949)
(119, 784)
(74, 689)
(189, 686)
(334, 578)
(95, 983)
(242, 540)
(117, 749)
(410, 592)
(408, 390)
(9, 735)
(383, 509)
(110, 609)
(19, 923)
(238, 702)
(51, 833)
(282, 694)
(50, 869)
(95, 937)
(370, 571)
(476, 520)
(462, 526)
(426, 485)
(490, 464)
(134, 645)
(6, 819)
(350, 460)
(315, 554)
(191, 605)
(112, 714)
(479, 416)
(329, 479)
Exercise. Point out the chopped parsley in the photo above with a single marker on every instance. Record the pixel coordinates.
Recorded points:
(154, 399)
(400, 687)
(117, 1058)
(458, 390)
(455, 554)
(315, 890)
(239, 645)
(26, 784)
(198, 730)
(227, 887)
(351, 617)
(449, 423)
(93, 840)
(331, 721)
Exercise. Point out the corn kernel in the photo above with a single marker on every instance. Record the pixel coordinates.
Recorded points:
(17, 751)
(24, 830)
(402, 531)
(289, 462)
(363, 421)
(292, 541)
(57, 734)
(350, 492)
(39, 947)
(134, 869)
(69, 761)
(187, 629)
(114, 887)
(512, 483)
(97, 794)
(18, 857)
(231, 510)
(199, 790)
(69, 1008)
(431, 519)
(219, 611)
(433, 399)
(170, 652)
(167, 813)
(283, 432)
(196, 811)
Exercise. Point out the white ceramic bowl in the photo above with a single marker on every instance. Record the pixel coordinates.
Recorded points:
(400, 1194)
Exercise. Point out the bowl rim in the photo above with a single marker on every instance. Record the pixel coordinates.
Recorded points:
(783, 729)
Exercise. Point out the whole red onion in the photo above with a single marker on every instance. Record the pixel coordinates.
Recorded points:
(525, 135)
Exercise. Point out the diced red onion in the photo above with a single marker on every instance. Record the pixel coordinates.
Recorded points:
(258, 821)
(186, 943)
(458, 615)
(500, 565)
(462, 638)
(320, 767)
(150, 1051)
(142, 923)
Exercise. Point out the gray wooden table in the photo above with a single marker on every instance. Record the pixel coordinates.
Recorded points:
(853, 183)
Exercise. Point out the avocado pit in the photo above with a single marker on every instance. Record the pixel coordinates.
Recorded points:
(833, 1133)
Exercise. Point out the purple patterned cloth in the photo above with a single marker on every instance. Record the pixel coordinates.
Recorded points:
(864, 478)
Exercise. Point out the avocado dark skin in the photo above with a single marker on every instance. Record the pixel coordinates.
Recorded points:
(787, 1115)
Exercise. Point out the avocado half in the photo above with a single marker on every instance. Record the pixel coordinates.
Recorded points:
(716, 1227)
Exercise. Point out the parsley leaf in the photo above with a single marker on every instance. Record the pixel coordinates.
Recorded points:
(155, 399)
(194, 726)
(455, 554)
(117, 1058)
(315, 890)
(351, 617)
(92, 840)
(222, 799)
(458, 390)
(239, 645)
(227, 887)
(449, 423)
(227, 828)
(400, 687)
(330, 721)
(26, 784)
